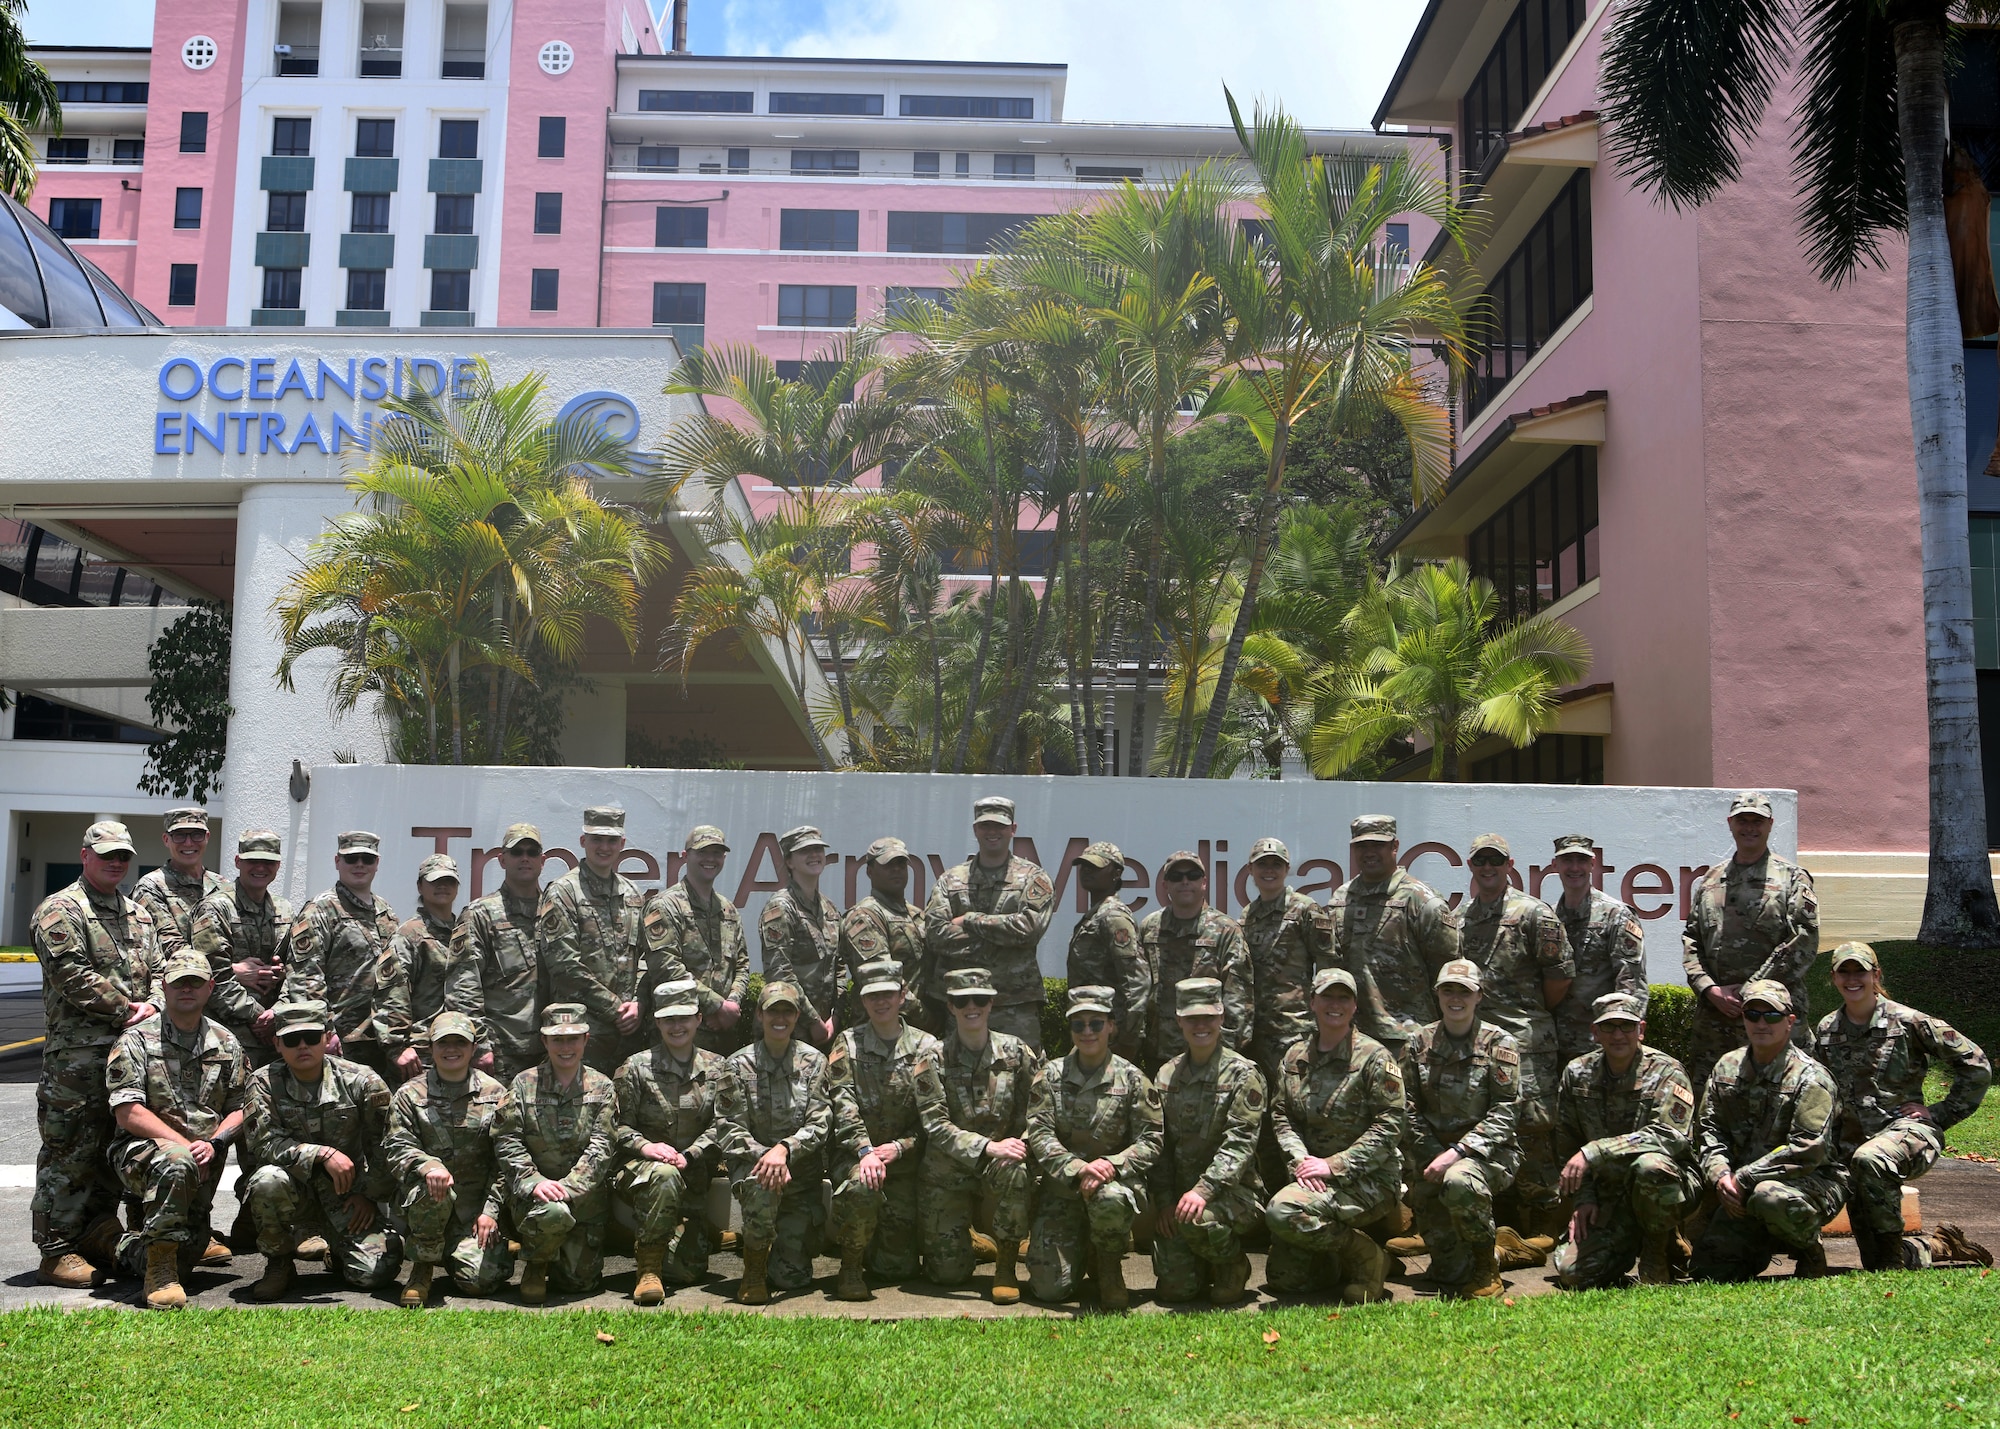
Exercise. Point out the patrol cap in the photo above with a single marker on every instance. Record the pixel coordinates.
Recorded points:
(887, 850)
(992, 810)
(306, 1015)
(452, 1024)
(1461, 972)
(437, 867)
(108, 836)
(1768, 992)
(1855, 953)
(359, 841)
(1089, 999)
(1372, 828)
(1180, 856)
(518, 834)
(679, 998)
(1327, 979)
(969, 982)
(191, 817)
(1617, 1007)
(565, 1019)
(705, 836)
(1576, 843)
(260, 846)
(606, 819)
(777, 992)
(1490, 841)
(1270, 848)
(1750, 801)
(878, 975)
(186, 963)
(804, 836)
(1102, 854)
(1198, 997)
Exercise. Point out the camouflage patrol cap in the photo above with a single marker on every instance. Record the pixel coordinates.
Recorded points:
(887, 851)
(1461, 972)
(606, 819)
(565, 1019)
(359, 841)
(1372, 828)
(518, 834)
(777, 992)
(1102, 855)
(452, 1024)
(1198, 997)
(1089, 999)
(1327, 979)
(1617, 1007)
(1576, 843)
(108, 836)
(305, 1015)
(260, 846)
(1767, 991)
(679, 998)
(1750, 801)
(1180, 856)
(802, 837)
(436, 868)
(1855, 953)
(191, 817)
(969, 982)
(705, 836)
(992, 810)
(878, 975)
(186, 963)
(1270, 848)
(1490, 841)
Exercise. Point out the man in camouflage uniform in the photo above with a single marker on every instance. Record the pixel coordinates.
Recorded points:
(692, 931)
(1104, 950)
(1392, 933)
(1339, 1114)
(553, 1137)
(318, 1123)
(440, 1146)
(1878, 1052)
(172, 891)
(591, 947)
(1288, 937)
(884, 925)
(1751, 916)
(776, 1122)
(1606, 945)
(1769, 1116)
(1525, 970)
(338, 953)
(99, 968)
(422, 949)
(238, 929)
(671, 1141)
(973, 1097)
(496, 961)
(176, 1084)
(798, 935)
(878, 1135)
(1624, 1119)
(1095, 1128)
(1190, 937)
(1206, 1189)
(991, 912)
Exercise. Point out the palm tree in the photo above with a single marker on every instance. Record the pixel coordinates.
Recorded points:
(27, 102)
(910, 534)
(1433, 660)
(1685, 85)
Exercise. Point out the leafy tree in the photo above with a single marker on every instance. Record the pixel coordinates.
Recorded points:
(189, 697)
(27, 102)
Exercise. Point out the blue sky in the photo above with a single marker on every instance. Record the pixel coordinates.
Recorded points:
(1131, 60)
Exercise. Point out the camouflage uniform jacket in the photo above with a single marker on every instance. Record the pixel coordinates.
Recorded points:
(1462, 1094)
(1079, 1114)
(1210, 944)
(190, 1080)
(1212, 1115)
(98, 961)
(1289, 941)
(548, 1132)
(347, 1110)
(1608, 947)
(228, 929)
(172, 898)
(1765, 1123)
(590, 945)
(1745, 921)
(801, 946)
(496, 976)
(873, 1090)
(338, 953)
(967, 1098)
(1517, 942)
(661, 1098)
(687, 939)
(423, 949)
(881, 927)
(1104, 951)
(1345, 1106)
(1006, 911)
(1880, 1067)
(777, 1099)
(1393, 935)
(433, 1122)
(1604, 1115)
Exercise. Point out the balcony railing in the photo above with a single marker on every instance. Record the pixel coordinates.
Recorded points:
(381, 62)
(464, 64)
(298, 60)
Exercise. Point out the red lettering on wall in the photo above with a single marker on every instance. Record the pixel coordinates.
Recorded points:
(1334, 877)
(1689, 877)
(676, 861)
(1658, 881)
(765, 847)
(475, 875)
(1537, 876)
(564, 857)
(854, 867)
(648, 866)
(439, 835)
(1135, 877)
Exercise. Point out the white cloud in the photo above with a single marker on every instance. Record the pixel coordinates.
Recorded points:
(1130, 60)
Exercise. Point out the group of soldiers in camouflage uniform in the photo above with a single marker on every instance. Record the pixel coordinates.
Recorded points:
(1387, 1075)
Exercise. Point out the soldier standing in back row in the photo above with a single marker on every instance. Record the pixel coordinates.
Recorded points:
(238, 929)
(885, 925)
(1191, 938)
(990, 912)
(338, 953)
(1392, 933)
(798, 935)
(1104, 950)
(692, 931)
(172, 891)
(496, 960)
(1287, 934)
(422, 948)
(591, 950)
(1605, 942)
(1750, 916)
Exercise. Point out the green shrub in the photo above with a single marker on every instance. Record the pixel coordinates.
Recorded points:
(1670, 1019)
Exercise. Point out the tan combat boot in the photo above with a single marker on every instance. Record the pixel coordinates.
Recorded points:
(534, 1282)
(756, 1261)
(1514, 1251)
(418, 1291)
(313, 1247)
(725, 1240)
(1006, 1289)
(276, 1280)
(1809, 1262)
(1400, 1245)
(853, 1283)
(99, 1244)
(1362, 1268)
(1484, 1282)
(649, 1290)
(163, 1276)
(1230, 1281)
(1111, 1291)
(984, 1251)
(69, 1270)
(218, 1253)
(1950, 1242)
(1656, 1258)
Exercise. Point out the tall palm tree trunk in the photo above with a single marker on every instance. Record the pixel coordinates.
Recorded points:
(839, 662)
(1026, 683)
(992, 584)
(457, 711)
(1959, 907)
(1092, 761)
(1260, 554)
(937, 679)
(1081, 746)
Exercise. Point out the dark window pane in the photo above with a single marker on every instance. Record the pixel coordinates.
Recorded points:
(826, 161)
(1013, 166)
(75, 217)
(458, 138)
(739, 161)
(954, 232)
(454, 213)
(697, 101)
(194, 131)
(961, 165)
(68, 151)
(285, 213)
(451, 291)
(370, 214)
(680, 228)
(815, 305)
(375, 138)
(819, 230)
(665, 157)
(281, 288)
(187, 208)
(548, 213)
(180, 285)
(128, 151)
(680, 303)
(367, 290)
(796, 103)
(924, 164)
(291, 137)
(553, 137)
(543, 284)
(964, 106)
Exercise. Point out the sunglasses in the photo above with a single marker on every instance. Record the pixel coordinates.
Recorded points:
(530, 850)
(357, 860)
(1487, 861)
(1769, 1014)
(301, 1039)
(980, 1000)
(1092, 1025)
(1186, 875)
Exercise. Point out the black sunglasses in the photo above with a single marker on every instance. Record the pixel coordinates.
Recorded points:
(974, 1000)
(1185, 874)
(357, 859)
(301, 1039)
(1092, 1025)
(1769, 1014)
(1486, 861)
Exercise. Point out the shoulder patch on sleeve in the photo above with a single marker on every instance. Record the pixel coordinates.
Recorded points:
(1815, 1107)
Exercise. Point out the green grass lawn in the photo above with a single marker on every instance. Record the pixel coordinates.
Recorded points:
(1865, 1351)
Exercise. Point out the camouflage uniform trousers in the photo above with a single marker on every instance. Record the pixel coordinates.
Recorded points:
(1213, 1239)
(1308, 1229)
(567, 1236)
(1638, 1195)
(788, 1221)
(1537, 1183)
(282, 1204)
(177, 1199)
(1877, 1168)
(947, 1199)
(72, 1187)
(1779, 1216)
(882, 1221)
(1065, 1222)
(665, 1199)
(1455, 1215)
(442, 1233)
(1016, 1019)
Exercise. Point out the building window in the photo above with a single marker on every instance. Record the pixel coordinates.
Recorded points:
(817, 373)
(783, 102)
(291, 138)
(954, 232)
(826, 161)
(815, 305)
(543, 284)
(548, 213)
(965, 106)
(69, 151)
(1551, 759)
(665, 158)
(1537, 288)
(680, 228)
(1497, 99)
(367, 290)
(961, 165)
(897, 302)
(458, 138)
(1108, 173)
(454, 213)
(374, 138)
(75, 217)
(924, 164)
(78, 91)
(285, 213)
(187, 208)
(370, 214)
(281, 287)
(1543, 544)
(381, 40)
(298, 38)
(1396, 242)
(128, 151)
(194, 131)
(697, 101)
(679, 303)
(180, 285)
(1013, 166)
(819, 230)
(739, 161)
(451, 290)
(552, 140)
(464, 57)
